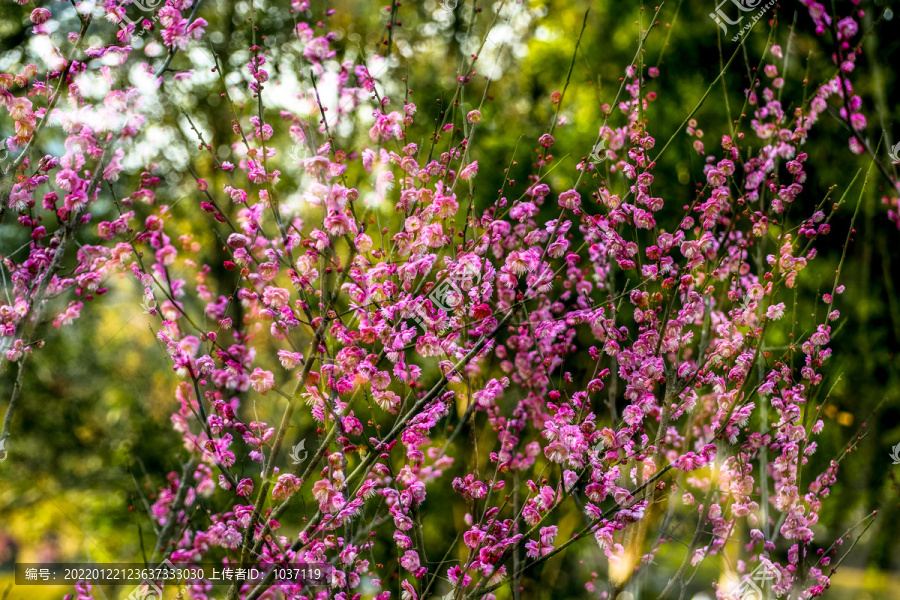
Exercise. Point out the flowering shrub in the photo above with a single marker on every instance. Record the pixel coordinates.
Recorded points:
(605, 346)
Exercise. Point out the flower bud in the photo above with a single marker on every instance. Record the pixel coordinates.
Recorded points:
(40, 16)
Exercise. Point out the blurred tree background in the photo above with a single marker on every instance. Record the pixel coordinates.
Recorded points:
(92, 439)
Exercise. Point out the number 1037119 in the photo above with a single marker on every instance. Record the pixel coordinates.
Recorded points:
(306, 574)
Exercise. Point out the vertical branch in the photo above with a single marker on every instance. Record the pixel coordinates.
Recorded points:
(14, 400)
(692, 547)
(168, 531)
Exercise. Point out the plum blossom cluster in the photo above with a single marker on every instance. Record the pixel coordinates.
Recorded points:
(604, 346)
